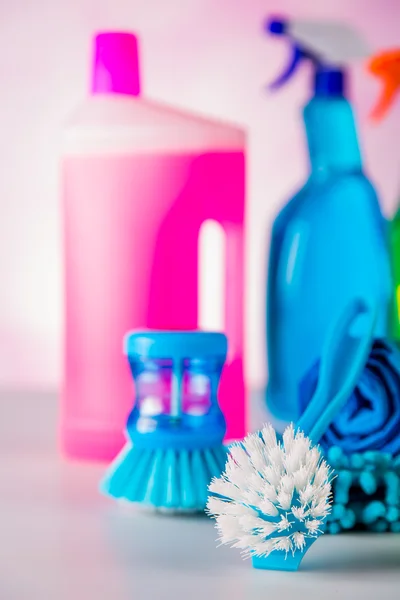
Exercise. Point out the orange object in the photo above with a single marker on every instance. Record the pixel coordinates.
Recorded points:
(386, 66)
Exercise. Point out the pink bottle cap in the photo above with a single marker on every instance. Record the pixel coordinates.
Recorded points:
(116, 64)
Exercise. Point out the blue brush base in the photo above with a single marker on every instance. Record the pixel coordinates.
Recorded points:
(279, 561)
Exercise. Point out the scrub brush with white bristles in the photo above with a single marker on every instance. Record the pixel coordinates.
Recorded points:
(273, 498)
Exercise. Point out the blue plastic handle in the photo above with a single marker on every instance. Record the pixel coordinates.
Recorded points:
(343, 359)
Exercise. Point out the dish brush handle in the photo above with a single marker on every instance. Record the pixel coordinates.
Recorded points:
(342, 362)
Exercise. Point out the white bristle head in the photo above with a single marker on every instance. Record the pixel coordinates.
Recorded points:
(261, 548)
(269, 508)
(299, 540)
(273, 496)
(300, 478)
(269, 436)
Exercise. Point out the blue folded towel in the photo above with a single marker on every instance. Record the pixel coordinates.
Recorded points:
(370, 420)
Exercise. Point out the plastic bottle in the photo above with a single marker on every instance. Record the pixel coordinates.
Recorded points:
(139, 180)
(386, 66)
(328, 242)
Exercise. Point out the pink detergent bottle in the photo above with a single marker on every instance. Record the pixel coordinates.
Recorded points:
(139, 181)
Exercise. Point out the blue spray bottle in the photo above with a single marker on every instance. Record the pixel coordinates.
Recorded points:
(329, 241)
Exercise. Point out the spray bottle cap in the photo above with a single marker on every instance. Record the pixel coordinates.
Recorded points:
(329, 46)
(386, 66)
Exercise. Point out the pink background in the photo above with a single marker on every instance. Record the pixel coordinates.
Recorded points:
(205, 55)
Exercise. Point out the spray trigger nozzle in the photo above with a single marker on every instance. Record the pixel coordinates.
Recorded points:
(280, 27)
(386, 66)
(329, 45)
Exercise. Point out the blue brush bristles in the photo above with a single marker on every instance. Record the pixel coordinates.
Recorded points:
(175, 480)
(175, 431)
(366, 491)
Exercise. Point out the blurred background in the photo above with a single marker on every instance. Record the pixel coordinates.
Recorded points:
(209, 56)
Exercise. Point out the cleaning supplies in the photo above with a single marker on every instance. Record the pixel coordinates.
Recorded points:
(386, 66)
(141, 181)
(362, 444)
(176, 427)
(274, 497)
(329, 242)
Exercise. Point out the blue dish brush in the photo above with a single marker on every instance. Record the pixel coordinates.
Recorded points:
(175, 431)
(274, 497)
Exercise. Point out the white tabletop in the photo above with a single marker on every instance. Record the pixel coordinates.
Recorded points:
(61, 540)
